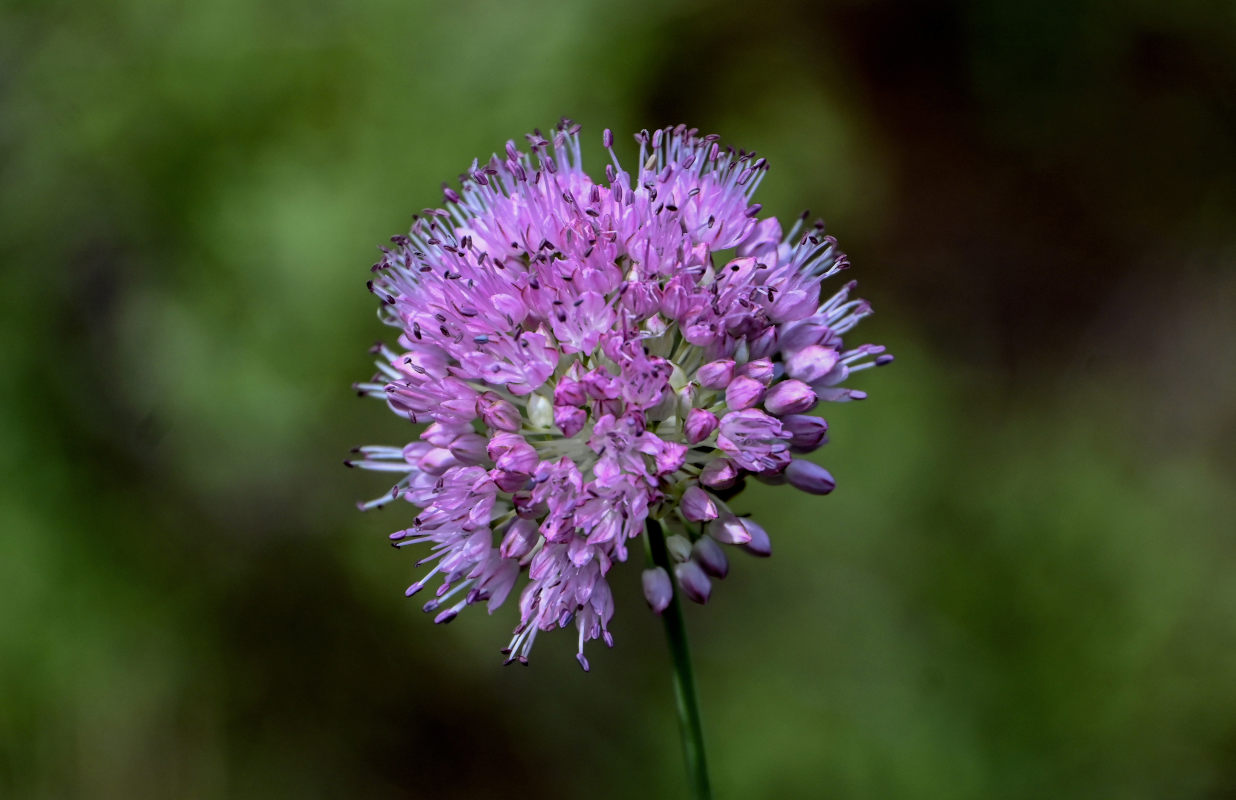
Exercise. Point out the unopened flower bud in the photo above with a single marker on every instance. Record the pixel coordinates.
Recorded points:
(743, 392)
(569, 419)
(759, 544)
(695, 584)
(719, 473)
(716, 374)
(697, 505)
(789, 397)
(540, 411)
(811, 363)
(810, 477)
(569, 393)
(513, 454)
(509, 481)
(807, 432)
(497, 413)
(709, 555)
(699, 425)
(761, 369)
(679, 547)
(658, 589)
(685, 398)
(729, 529)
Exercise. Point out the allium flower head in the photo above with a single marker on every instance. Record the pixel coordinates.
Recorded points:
(587, 355)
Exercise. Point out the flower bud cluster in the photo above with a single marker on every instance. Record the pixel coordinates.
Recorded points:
(587, 355)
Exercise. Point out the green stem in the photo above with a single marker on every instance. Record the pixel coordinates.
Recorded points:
(689, 727)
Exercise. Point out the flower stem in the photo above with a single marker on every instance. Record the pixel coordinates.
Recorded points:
(689, 727)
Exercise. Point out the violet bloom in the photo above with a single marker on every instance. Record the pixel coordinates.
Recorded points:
(590, 355)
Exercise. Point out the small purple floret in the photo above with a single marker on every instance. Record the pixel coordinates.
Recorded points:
(697, 505)
(658, 589)
(711, 558)
(699, 425)
(810, 477)
(743, 392)
(695, 584)
(759, 544)
(789, 397)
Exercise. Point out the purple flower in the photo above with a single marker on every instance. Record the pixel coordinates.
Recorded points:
(587, 355)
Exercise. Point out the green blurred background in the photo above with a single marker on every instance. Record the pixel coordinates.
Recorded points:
(1023, 587)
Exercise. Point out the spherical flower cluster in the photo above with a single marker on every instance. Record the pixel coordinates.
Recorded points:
(591, 355)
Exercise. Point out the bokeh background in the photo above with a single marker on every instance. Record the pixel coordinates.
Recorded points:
(1023, 587)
